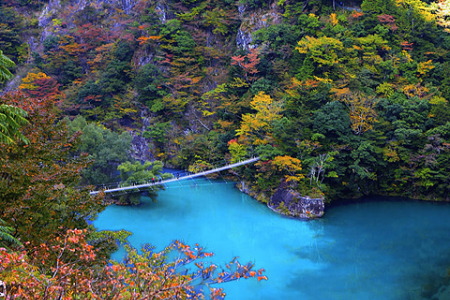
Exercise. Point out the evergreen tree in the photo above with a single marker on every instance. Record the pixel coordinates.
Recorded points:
(5, 65)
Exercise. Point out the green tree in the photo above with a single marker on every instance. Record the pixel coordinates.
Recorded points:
(6, 237)
(325, 52)
(157, 132)
(12, 24)
(12, 119)
(137, 172)
(5, 65)
(106, 148)
(378, 6)
(150, 84)
(333, 121)
(133, 173)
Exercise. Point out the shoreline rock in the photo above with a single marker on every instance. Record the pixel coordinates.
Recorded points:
(288, 202)
(292, 204)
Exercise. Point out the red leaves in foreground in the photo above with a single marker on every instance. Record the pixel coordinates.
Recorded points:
(69, 270)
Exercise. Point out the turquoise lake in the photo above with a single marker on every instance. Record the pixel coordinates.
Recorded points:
(381, 248)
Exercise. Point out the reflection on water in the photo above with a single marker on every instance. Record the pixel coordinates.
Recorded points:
(380, 249)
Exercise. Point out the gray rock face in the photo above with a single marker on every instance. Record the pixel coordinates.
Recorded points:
(290, 203)
(252, 22)
(140, 146)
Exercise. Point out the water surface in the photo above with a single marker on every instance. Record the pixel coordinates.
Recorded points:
(377, 249)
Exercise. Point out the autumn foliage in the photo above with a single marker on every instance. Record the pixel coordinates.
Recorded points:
(248, 63)
(40, 85)
(39, 184)
(67, 269)
(337, 99)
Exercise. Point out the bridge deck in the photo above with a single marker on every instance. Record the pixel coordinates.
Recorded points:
(145, 185)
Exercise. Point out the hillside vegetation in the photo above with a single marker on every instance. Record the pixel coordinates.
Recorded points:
(340, 99)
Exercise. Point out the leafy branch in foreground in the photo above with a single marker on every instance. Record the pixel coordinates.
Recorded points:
(5, 63)
(11, 120)
(69, 269)
(6, 237)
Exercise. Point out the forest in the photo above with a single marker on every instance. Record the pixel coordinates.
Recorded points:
(340, 100)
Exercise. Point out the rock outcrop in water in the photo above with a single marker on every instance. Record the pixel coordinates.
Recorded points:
(291, 203)
(287, 201)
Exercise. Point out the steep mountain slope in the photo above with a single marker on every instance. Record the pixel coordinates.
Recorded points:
(341, 99)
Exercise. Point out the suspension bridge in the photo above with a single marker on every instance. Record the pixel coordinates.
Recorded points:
(133, 188)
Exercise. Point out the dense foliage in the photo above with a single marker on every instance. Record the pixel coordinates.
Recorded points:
(106, 148)
(47, 248)
(39, 184)
(339, 99)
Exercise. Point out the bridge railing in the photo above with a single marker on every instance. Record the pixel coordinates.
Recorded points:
(149, 183)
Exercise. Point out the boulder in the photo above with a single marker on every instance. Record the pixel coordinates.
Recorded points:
(291, 203)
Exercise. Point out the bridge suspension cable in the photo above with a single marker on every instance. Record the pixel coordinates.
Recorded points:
(149, 184)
